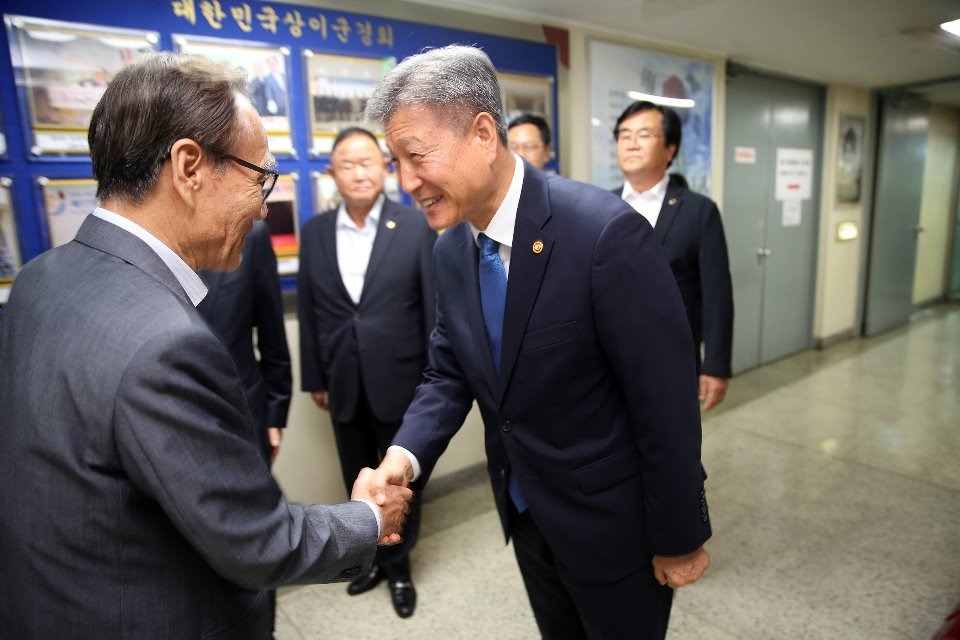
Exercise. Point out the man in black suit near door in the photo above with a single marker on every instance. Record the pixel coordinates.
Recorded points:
(689, 230)
(366, 306)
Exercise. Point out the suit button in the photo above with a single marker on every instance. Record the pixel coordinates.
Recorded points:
(503, 472)
(506, 426)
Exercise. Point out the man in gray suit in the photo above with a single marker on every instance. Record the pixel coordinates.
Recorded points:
(134, 500)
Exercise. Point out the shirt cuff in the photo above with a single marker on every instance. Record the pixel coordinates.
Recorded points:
(413, 460)
(376, 514)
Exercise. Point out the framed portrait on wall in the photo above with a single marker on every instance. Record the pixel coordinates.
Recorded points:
(850, 158)
(66, 203)
(268, 71)
(527, 94)
(283, 222)
(10, 261)
(62, 69)
(619, 75)
(338, 88)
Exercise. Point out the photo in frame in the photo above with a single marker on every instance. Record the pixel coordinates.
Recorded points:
(527, 94)
(338, 88)
(10, 259)
(66, 204)
(267, 69)
(850, 158)
(62, 69)
(282, 221)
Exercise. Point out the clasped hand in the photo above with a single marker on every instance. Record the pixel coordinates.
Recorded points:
(393, 500)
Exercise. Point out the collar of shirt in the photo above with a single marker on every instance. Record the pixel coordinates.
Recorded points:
(505, 219)
(187, 277)
(344, 221)
(647, 203)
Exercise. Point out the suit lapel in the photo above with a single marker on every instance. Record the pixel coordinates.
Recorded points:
(328, 240)
(672, 202)
(386, 232)
(470, 290)
(529, 256)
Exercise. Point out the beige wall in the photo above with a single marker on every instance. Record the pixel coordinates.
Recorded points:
(839, 277)
(930, 277)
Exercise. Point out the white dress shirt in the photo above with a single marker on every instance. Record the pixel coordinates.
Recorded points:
(354, 246)
(647, 203)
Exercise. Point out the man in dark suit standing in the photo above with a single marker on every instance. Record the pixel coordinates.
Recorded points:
(689, 229)
(557, 313)
(134, 499)
(366, 305)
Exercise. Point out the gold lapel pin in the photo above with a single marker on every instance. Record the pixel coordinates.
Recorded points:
(391, 224)
(537, 246)
(672, 201)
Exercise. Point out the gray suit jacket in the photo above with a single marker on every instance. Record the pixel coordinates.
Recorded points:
(134, 502)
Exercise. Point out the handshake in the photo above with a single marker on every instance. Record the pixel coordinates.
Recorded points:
(387, 488)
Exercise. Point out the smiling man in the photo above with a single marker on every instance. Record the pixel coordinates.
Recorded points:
(558, 315)
(134, 499)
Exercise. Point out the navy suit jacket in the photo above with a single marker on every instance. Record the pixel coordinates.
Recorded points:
(380, 342)
(240, 301)
(690, 231)
(595, 410)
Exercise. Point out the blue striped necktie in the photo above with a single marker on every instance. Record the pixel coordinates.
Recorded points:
(493, 298)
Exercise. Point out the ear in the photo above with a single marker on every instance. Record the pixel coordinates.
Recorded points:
(186, 162)
(672, 148)
(485, 130)
(330, 172)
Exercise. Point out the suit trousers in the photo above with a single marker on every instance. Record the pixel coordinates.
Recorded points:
(361, 443)
(636, 606)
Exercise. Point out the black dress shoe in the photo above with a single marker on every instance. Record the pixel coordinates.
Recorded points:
(365, 582)
(404, 597)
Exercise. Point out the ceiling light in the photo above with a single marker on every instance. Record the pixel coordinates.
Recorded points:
(679, 103)
(952, 27)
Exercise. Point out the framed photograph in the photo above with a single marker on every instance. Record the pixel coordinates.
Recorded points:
(66, 203)
(283, 222)
(850, 158)
(61, 70)
(619, 75)
(337, 91)
(268, 71)
(327, 197)
(527, 94)
(10, 260)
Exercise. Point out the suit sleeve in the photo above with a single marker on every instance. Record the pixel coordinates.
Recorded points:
(271, 334)
(643, 329)
(185, 438)
(312, 376)
(717, 294)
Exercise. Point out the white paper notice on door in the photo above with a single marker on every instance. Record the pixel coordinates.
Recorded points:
(792, 213)
(794, 174)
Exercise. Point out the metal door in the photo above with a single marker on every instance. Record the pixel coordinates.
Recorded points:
(772, 249)
(904, 123)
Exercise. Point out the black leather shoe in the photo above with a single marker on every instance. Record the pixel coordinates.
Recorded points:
(365, 582)
(404, 597)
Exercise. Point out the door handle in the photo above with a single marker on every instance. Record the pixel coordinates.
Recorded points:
(762, 253)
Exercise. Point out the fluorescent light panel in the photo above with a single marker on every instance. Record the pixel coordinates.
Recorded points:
(679, 103)
(951, 27)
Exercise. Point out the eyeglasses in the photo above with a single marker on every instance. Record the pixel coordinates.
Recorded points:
(625, 135)
(270, 175)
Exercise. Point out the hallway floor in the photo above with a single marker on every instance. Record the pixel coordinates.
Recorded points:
(834, 490)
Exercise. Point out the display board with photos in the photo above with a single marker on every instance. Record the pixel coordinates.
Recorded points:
(329, 62)
(66, 204)
(62, 70)
(267, 70)
(10, 261)
(283, 222)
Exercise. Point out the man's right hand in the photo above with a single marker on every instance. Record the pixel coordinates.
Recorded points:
(320, 398)
(393, 501)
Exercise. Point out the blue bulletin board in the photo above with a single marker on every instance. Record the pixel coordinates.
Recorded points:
(305, 40)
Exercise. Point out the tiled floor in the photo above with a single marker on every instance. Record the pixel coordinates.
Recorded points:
(835, 494)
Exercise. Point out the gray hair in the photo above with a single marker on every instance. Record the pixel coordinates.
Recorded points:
(460, 81)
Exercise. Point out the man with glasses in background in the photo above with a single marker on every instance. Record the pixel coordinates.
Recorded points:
(134, 499)
(529, 136)
(689, 229)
